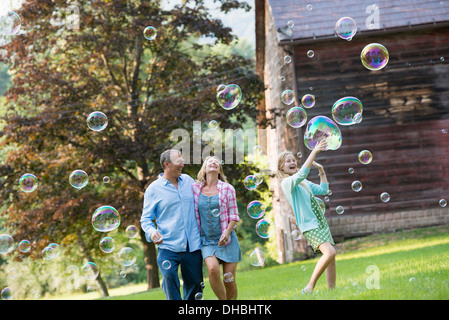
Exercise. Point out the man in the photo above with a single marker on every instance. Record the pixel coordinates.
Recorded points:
(169, 201)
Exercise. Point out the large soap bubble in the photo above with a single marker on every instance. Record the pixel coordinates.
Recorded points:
(346, 28)
(97, 121)
(256, 209)
(150, 33)
(6, 243)
(374, 56)
(320, 128)
(9, 23)
(78, 179)
(229, 97)
(288, 97)
(28, 182)
(347, 111)
(105, 218)
(296, 117)
(127, 256)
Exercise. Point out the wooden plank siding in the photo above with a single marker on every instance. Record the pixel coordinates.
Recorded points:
(406, 109)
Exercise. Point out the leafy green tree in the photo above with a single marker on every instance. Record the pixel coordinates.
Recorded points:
(65, 67)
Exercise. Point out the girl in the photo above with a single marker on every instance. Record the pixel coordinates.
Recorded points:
(309, 218)
(217, 214)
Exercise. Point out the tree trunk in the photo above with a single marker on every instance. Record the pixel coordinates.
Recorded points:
(100, 282)
(150, 258)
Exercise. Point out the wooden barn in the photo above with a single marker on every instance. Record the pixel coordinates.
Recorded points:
(405, 109)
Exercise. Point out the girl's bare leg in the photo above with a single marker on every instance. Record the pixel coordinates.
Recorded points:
(326, 259)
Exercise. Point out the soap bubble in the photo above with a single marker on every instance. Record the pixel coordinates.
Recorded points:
(107, 244)
(351, 170)
(228, 277)
(442, 203)
(385, 197)
(198, 296)
(166, 264)
(90, 271)
(51, 251)
(28, 182)
(256, 209)
(7, 294)
(97, 121)
(347, 111)
(320, 128)
(340, 209)
(78, 179)
(299, 155)
(296, 117)
(346, 28)
(288, 97)
(106, 179)
(365, 157)
(287, 59)
(131, 231)
(258, 178)
(250, 182)
(374, 56)
(220, 87)
(257, 258)
(290, 24)
(215, 213)
(229, 97)
(309, 7)
(263, 229)
(6, 244)
(296, 235)
(310, 53)
(308, 100)
(150, 33)
(105, 218)
(213, 124)
(127, 256)
(10, 23)
(321, 204)
(356, 186)
(24, 246)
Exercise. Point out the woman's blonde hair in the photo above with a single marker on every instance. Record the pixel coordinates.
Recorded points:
(202, 173)
(281, 174)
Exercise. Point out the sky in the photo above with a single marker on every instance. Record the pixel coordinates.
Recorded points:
(243, 23)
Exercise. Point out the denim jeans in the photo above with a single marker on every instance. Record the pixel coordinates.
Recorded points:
(191, 271)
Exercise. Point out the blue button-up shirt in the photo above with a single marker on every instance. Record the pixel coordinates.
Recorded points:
(173, 210)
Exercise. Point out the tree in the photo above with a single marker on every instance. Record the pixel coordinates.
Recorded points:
(147, 89)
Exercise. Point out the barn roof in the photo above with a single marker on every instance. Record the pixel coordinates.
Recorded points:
(314, 19)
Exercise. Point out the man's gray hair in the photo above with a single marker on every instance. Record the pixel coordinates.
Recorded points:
(166, 157)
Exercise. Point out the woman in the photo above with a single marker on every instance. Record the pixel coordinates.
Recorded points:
(217, 214)
(309, 218)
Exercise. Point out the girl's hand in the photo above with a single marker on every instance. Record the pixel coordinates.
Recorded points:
(318, 166)
(320, 146)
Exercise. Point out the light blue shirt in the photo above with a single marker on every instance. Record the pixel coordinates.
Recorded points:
(299, 198)
(173, 210)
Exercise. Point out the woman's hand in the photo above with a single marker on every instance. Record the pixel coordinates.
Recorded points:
(224, 238)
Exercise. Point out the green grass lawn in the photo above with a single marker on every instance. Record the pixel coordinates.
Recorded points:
(410, 265)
